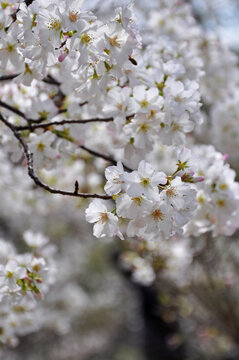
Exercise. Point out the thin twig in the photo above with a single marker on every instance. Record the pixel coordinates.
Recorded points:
(8, 77)
(48, 80)
(13, 109)
(105, 157)
(62, 122)
(52, 123)
(32, 127)
(31, 172)
(28, 2)
(20, 113)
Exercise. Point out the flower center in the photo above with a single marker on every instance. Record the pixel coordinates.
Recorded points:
(85, 38)
(157, 215)
(40, 147)
(114, 41)
(221, 202)
(36, 267)
(144, 103)
(176, 127)
(144, 182)
(9, 274)
(104, 217)
(43, 114)
(178, 99)
(200, 199)
(144, 127)
(73, 16)
(152, 113)
(10, 47)
(54, 24)
(223, 186)
(137, 201)
(171, 192)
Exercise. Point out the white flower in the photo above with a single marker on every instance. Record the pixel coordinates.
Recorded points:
(176, 194)
(114, 178)
(159, 221)
(11, 272)
(143, 272)
(173, 129)
(44, 110)
(145, 181)
(41, 146)
(218, 196)
(142, 130)
(180, 99)
(35, 240)
(132, 207)
(39, 266)
(106, 223)
(147, 100)
(119, 104)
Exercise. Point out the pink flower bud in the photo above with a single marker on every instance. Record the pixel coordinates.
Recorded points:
(225, 157)
(198, 179)
(62, 56)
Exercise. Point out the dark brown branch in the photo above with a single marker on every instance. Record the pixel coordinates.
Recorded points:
(102, 156)
(31, 172)
(20, 113)
(8, 77)
(13, 109)
(38, 121)
(52, 123)
(48, 80)
(28, 2)
(33, 127)
(84, 103)
(62, 122)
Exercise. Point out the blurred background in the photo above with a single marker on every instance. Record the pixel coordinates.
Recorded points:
(221, 16)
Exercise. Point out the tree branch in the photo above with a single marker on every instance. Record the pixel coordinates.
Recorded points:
(31, 172)
(105, 157)
(62, 122)
(20, 113)
(8, 77)
(48, 80)
(28, 2)
(46, 125)
(13, 109)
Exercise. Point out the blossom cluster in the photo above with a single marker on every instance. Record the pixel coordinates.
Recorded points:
(148, 202)
(24, 280)
(218, 195)
(149, 92)
(47, 33)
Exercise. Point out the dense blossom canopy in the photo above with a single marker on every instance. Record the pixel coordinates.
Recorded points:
(126, 86)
